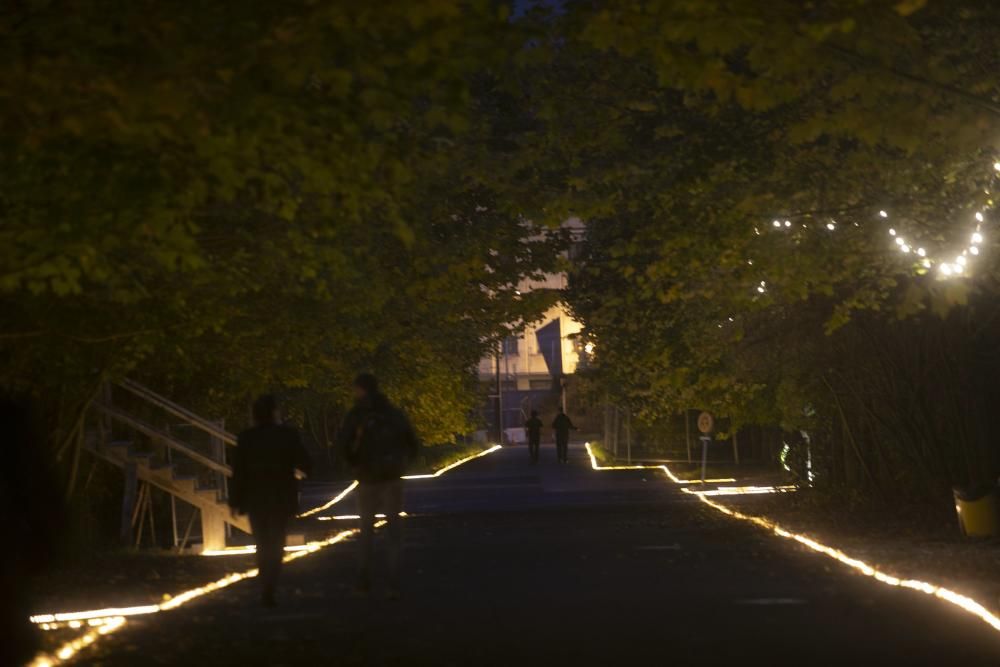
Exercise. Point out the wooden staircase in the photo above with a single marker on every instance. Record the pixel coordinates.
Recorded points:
(135, 434)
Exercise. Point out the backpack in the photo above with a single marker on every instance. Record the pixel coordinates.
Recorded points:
(382, 447)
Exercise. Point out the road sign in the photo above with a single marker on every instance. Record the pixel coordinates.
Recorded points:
(705, 422)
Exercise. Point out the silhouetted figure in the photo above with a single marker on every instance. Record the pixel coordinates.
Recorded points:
(562, 426)
(377, 439)
(533, 428)
(265, 486)
(33, 515)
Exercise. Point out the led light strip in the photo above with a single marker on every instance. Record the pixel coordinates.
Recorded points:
(745, 490)
(108, 620)
(112, 619)
(105, 621)
(70, 648)
(452, 466)
(333, 501)
(963, 602)
(354, 517)
(437, 473)
(673, 478)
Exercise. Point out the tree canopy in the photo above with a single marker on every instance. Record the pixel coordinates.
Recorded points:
(250, 195)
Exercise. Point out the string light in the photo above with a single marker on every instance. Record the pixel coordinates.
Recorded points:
(946, 269)
(963, 602)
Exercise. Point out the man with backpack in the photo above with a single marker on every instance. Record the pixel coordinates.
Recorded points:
(378, 441)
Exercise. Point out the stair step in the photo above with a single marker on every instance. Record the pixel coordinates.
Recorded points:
(208, 493)
(185, 482)
(143, 459)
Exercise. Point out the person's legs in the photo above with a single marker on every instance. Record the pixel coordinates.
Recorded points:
(367, 508)
(269, 534)
(393, 504)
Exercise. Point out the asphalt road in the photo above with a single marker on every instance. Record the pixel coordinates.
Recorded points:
(513, 564)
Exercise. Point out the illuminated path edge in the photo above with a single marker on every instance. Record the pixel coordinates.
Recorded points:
(437, 473)
(963, 602)
(106, 621)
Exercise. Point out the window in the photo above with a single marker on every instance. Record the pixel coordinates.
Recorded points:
(510, 346)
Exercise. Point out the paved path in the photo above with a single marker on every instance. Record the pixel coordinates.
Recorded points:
(512, 564)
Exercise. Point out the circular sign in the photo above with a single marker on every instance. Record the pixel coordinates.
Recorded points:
(705, 422)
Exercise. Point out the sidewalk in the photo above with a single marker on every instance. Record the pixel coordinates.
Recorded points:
(509, 563)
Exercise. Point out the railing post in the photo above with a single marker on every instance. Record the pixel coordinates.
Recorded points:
(128, 502)
(687, 431)
(221, 482)
(173, 498)
(213, 530)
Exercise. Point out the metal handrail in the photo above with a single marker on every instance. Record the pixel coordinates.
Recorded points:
(178, 410)
(156, 434)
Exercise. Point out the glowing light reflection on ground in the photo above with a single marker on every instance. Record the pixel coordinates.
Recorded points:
(963, 602)
(105, 621)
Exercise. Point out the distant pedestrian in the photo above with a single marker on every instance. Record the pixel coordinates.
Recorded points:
(379, 442)
(533, 429)
(562, 426)
(265, 487)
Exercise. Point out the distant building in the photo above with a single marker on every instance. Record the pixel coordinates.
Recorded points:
(534, 365)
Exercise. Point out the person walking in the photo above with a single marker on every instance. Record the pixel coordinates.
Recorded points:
(533, 429)
(562, 426)
(268, 462)
(379, 442)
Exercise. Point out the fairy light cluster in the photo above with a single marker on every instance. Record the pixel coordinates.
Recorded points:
(957, 266)
(946, 265)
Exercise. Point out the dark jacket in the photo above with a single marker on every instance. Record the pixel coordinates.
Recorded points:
(534, 428)
(562, 426)
(264, 470)
(351, 433)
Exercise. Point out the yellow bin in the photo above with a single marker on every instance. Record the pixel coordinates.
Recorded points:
(978, 511)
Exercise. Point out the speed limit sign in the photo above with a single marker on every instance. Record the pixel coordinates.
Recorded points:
(705, 422)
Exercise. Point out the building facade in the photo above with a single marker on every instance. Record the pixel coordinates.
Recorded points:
(531, 369)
